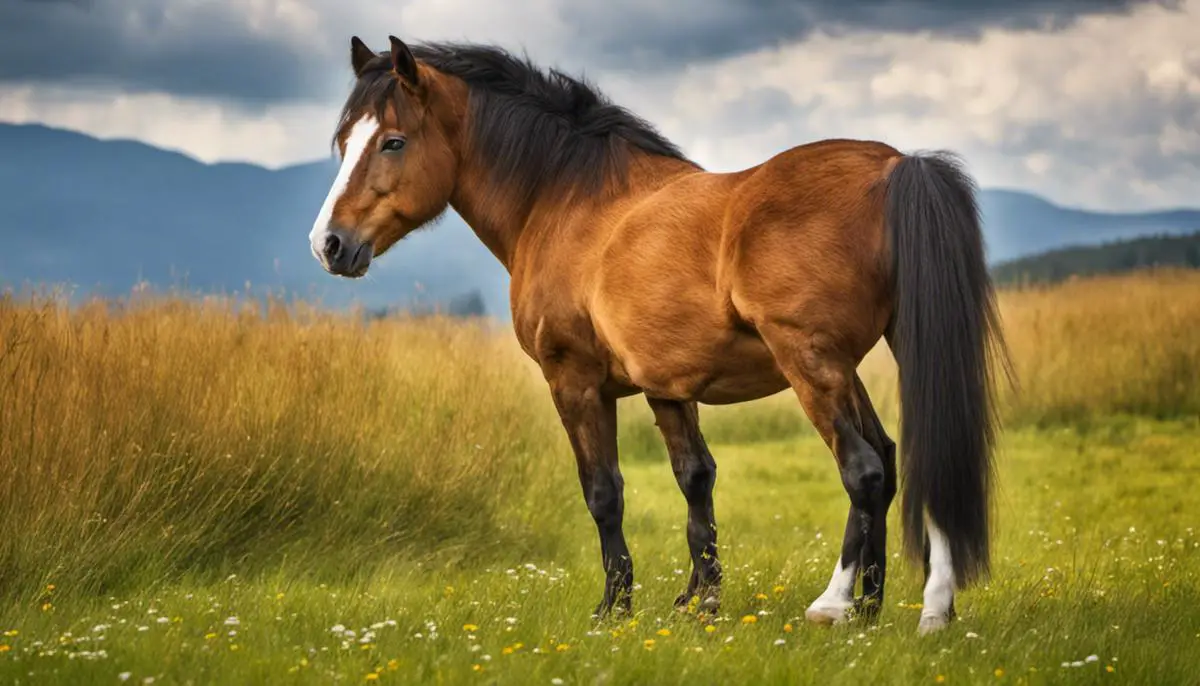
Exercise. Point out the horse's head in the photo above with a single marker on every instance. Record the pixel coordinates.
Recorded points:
(398, 160)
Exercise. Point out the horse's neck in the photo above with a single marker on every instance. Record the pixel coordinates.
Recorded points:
(500, 222)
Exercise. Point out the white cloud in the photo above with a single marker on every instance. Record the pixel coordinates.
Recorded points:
(1105, 113)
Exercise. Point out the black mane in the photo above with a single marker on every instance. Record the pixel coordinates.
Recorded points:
(534, 128)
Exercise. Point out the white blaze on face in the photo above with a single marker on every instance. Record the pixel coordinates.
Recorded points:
(361, 134)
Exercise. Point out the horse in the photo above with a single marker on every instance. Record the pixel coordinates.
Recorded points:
(635, 270)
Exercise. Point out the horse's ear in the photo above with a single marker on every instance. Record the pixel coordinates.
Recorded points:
(403, 61)
(360, 55)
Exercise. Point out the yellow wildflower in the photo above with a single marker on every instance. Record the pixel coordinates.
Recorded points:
(1110, 669)
(279, 596)
(233, 647)
(304, 662)
(787, 628)
(649, 643)
(393, 664)
(470, 627)
(562, 647)
(506, 650)
(999, 673)
(4, 647)
(50, 587)
(749, 619)
(779, 589)
(209, 636)
(940, 679)
(664, 632)
(46, 607)
(11, 632)
(709, 629)
(760, 596)
(372, 676)
(477, 667)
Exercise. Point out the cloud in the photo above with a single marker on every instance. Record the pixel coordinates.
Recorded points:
(1102, 111)
(264, 51)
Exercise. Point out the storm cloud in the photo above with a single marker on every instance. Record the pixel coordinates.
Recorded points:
(263, 51)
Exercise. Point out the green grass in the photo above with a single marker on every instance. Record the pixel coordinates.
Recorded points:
(1095, 555)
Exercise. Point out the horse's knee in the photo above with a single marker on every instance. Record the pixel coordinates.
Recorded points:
(696, 477)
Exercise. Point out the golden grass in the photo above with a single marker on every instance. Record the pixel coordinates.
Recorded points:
(157, 436)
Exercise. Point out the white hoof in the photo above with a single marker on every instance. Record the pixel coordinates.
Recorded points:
(932, 623)
(828, 612)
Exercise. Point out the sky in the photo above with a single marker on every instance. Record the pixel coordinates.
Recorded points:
(1091, 104)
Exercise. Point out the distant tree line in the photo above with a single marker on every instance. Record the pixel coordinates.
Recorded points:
(1108, 258)
(465, 305)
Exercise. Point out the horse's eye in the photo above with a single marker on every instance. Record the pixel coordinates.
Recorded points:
(394, 144)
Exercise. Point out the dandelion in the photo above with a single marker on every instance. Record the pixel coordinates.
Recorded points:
(999, 673)
(648, 643)
(477, 667)
(749, 619)
(1110, 669)
(664, 632)
(372, 676)
(562, 647)
(760, 596)
(787, 628)
(470, 628)
(4, 647)
(709, 629)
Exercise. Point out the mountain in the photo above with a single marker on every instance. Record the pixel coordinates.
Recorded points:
(1112, 257)
(106, 215)
(1020, 224)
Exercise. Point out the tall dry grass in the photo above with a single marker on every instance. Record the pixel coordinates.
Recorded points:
(157, 437)
(160, 436)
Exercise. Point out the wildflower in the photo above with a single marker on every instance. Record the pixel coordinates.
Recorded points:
(1092, 658)
(1110, 669)
(232, 621)
(787, 628)
(556, 681)
(749, 619)
(780, 641)
(50, 587)
(4, 647)
(709, 629)
(562, 647)
(999, 673)
(972, 634)
(46, 607)
(779, 589)
(279, 596)
(233, 646)
(210, 636)
(393, 665)
(471, 628)
(372, 676)
(477, 667)
(940, 679)
(760, 596)
(648, 643)
(664, 632)
(11, 632)
(506, 650)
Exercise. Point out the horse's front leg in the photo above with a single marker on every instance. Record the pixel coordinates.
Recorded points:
(590, 420)
(696, 473)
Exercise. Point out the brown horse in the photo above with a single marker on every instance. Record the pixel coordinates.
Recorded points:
(635, 270)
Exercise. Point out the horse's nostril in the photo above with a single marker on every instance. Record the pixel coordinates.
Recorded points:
(333, 247)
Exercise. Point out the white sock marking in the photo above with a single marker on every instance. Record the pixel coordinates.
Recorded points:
(361, 134)
(839, 595)
(939, 589)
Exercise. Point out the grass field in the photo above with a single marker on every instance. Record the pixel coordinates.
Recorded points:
(194, 493)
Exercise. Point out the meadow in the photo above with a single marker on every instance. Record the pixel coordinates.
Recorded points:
(203, 491)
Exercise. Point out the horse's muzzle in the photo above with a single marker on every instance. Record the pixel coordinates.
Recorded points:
(341, 253)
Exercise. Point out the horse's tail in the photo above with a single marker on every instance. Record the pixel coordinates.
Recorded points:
(945, 329)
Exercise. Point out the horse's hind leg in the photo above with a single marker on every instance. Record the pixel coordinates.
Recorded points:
(824, 379)
(696, 472)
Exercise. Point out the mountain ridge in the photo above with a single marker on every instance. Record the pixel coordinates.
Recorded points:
(107, 213)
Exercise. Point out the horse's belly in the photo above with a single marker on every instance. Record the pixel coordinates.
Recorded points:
(732, 368)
